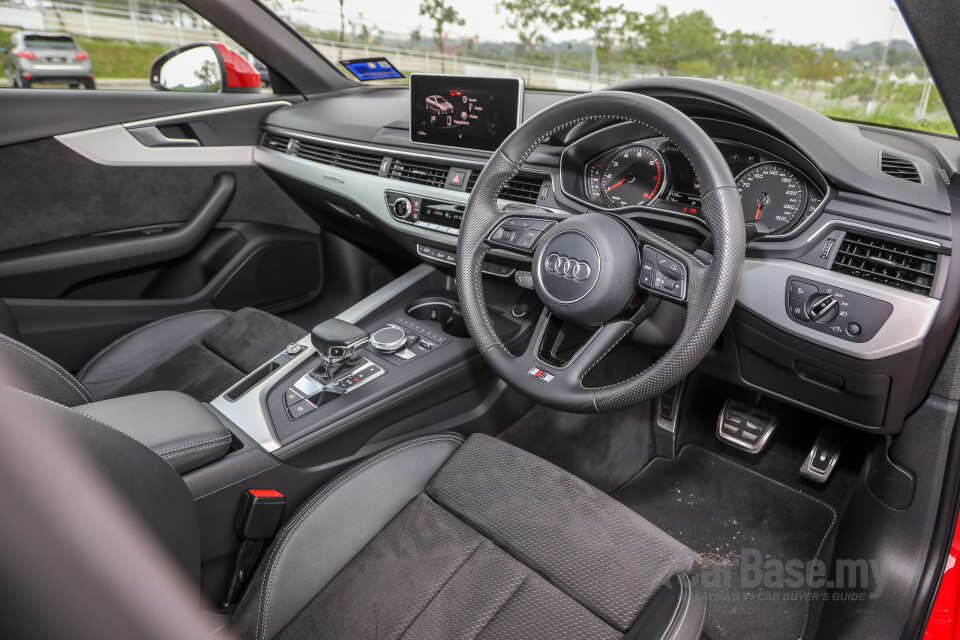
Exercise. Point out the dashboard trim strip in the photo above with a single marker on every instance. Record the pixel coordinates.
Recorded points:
(763, 287)
(842, 224)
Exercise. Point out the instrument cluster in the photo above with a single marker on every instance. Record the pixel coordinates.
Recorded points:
(651, 173)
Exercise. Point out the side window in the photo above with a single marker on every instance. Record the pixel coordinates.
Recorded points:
(121, 45)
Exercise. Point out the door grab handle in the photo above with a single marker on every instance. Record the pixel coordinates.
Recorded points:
(153, 137)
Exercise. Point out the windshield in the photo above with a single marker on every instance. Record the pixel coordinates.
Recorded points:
(849, 59)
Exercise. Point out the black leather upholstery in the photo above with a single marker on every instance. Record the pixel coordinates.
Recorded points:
(139, 351)
(8, 324)
(143, 481)
(200, 353)
(177, 427)
(35, 373)
(430, 539)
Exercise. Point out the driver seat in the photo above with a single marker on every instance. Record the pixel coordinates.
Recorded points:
(432, 538)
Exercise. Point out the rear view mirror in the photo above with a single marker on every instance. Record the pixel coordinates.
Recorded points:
(204, 67)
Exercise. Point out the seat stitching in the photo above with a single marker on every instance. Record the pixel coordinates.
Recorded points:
(442, 587)
(684, 580)
(195, 444)
(193, 450)
(676, 609)
(336, 483)
(78, 412)
(42, 359)
(130, 334)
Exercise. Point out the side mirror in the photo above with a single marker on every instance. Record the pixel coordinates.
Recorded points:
(204, 67)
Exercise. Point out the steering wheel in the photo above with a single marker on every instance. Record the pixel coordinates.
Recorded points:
(596, 271)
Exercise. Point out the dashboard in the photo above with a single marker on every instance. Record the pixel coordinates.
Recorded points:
(848, 295)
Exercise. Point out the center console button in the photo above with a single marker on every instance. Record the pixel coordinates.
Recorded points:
(291, 397)
(300, 409)
(388, 339)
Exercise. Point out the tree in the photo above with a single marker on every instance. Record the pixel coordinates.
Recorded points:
(604, 23)
(442, 14)
(530, 18)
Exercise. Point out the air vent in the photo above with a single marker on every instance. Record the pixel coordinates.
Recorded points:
(522, 189)
(334, 156)
(519, 189)
(899, 167)
(420, 173)
(275, 142)
(886, 262)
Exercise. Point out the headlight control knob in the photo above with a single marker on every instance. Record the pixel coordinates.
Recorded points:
(388, 339)
(823, 307)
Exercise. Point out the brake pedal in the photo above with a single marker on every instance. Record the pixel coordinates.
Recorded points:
(823, 457)
(745, 427)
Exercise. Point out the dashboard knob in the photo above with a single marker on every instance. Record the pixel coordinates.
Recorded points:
(823, 307)
(388, 339)
(403, 208)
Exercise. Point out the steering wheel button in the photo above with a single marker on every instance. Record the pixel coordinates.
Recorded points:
(646, 279)
(669, 264)
(541, 225)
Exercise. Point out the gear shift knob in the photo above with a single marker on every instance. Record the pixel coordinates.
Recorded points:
(337, 340)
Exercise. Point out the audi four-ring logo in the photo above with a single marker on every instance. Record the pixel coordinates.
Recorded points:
(565, 267)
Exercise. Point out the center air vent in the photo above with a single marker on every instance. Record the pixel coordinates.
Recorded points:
(420, 173)
(887, 262)
(899, 167)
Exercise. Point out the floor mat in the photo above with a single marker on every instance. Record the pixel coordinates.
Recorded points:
(726, 514)
(605, 449)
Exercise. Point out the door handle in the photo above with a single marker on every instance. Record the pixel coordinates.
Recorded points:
(153, 137)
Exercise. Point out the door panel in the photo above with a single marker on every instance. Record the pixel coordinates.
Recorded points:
(101, 241)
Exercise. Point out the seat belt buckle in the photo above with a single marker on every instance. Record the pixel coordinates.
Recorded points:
(258, 519)
(259, 514)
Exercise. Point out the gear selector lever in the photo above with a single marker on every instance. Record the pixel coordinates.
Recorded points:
(338, 344)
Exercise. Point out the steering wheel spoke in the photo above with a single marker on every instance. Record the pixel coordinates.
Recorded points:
(666, 270)
(561, 353)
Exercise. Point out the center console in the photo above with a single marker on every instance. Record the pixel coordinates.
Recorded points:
(401, 353)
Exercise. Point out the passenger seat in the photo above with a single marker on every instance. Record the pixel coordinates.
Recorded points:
(200, 353)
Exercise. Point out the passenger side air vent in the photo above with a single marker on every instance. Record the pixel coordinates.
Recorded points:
(418, 172)
(275, 142)
(899, 167)
(887, 262)
(343, 158)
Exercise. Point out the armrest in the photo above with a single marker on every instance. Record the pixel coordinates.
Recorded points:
(180, 429)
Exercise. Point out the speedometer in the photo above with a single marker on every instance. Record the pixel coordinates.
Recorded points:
(630, 177)
(771, 193)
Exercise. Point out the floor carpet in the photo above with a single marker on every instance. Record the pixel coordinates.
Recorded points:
(727, 513)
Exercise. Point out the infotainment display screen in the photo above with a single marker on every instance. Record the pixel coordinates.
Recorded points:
(464, 111)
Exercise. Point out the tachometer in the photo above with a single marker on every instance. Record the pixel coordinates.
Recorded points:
(630, 177)
(771, 193)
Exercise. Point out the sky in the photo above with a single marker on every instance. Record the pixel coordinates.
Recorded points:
(833, 23)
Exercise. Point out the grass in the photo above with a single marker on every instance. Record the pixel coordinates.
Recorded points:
(112, 59)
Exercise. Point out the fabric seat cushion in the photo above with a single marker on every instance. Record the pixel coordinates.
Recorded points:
(498, 544)
(199, 353)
